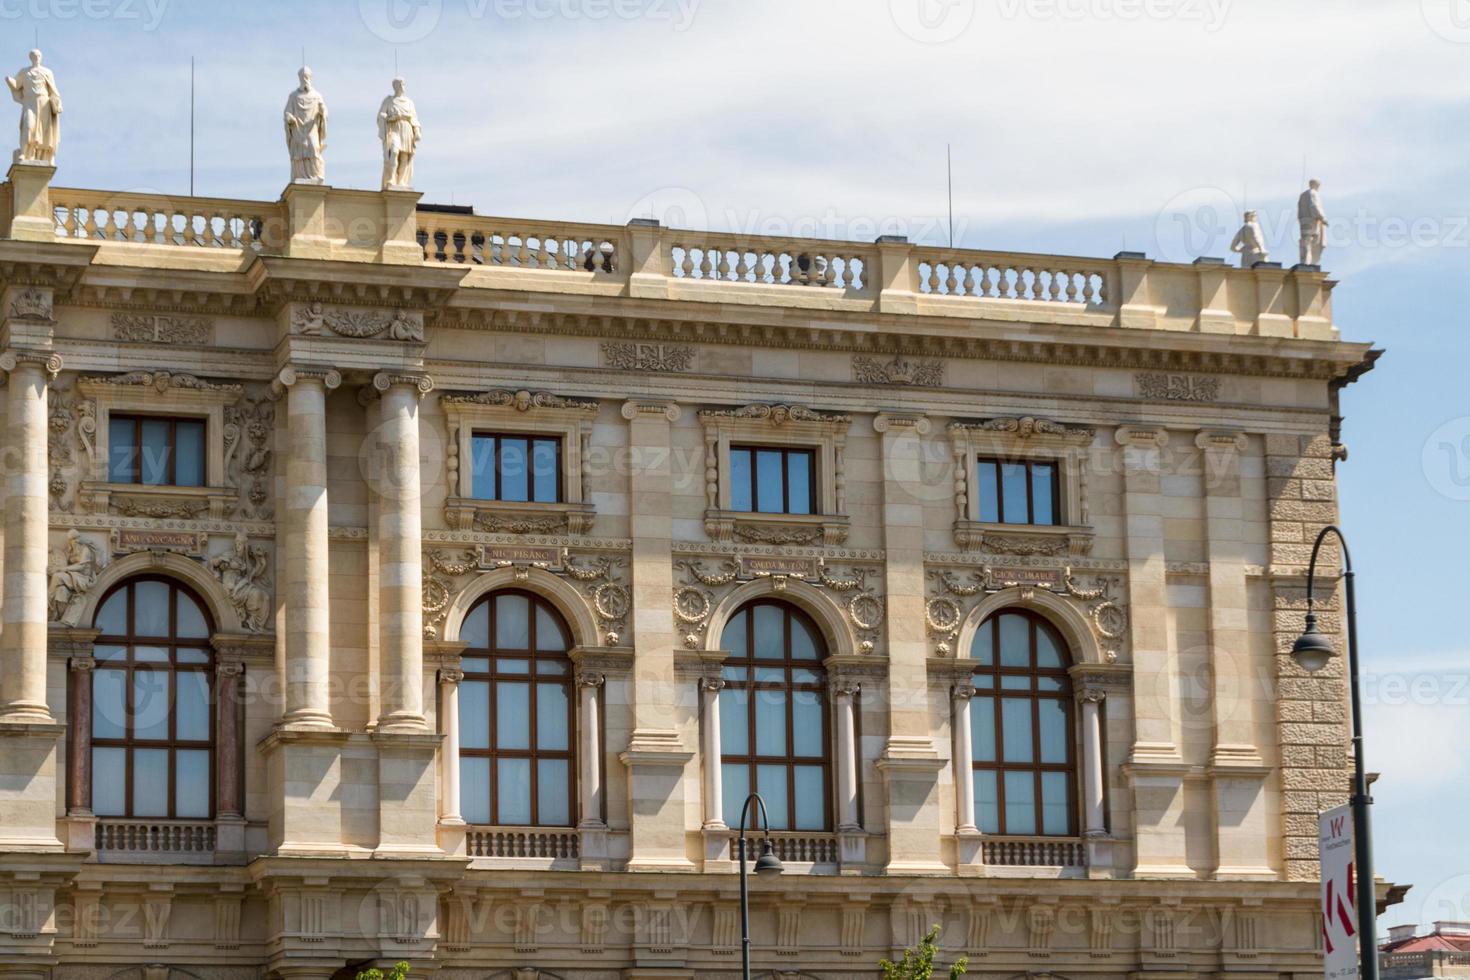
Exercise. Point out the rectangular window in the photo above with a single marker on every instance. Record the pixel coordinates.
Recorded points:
(772, 480)
(1018, 492)
(516, 468)
(155, 450)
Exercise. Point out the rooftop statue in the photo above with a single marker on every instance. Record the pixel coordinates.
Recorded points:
(40, 112)
(306, 130)
(398, 128)
(1250, 242)
(1313, 223)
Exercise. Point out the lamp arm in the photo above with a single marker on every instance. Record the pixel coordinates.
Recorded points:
(1312, 564)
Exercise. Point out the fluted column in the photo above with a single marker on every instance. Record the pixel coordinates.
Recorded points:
(1095, 818)
(23, 609)
(964, 767)
(79, 737)
(449, 812)
(227, 698)
(590, 748)
(714, 783)
(844, 695)
(308, 562)
(400, 553)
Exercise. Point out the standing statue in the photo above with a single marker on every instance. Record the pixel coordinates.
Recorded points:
(306, 130)
(242, 573)
(398, 128)
(73, 571)
(1313, 223)
(40, 112)
(1250, 242)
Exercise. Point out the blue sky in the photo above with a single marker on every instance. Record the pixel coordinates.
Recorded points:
(1078, 127)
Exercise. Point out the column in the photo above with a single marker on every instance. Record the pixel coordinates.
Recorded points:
(23, 610)
(229, 765)
(590, 749)
(449, 679)
(79, 737)
(964, 762)
(1095, 818)
(844, 695)
(714, 783)
(308, 562)
(400, 554)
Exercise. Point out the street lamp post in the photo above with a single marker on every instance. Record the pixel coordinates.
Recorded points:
(767, 866)
(1312, 651)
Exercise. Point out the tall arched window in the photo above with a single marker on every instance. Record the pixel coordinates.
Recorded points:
(152, 709)
(515, 714)
(1021, 730)
(773, 717)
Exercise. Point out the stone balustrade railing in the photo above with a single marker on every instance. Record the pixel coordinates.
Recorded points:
(1034, 852)
(522, 842)
(1014, 276)
(474, 240)
(186, 222)
(157, 837)
(776, 262)
(816, 848)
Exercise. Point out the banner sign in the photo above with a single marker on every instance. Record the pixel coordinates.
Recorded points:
(1339, 894)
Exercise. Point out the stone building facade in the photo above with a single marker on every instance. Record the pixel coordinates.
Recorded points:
(385, 582)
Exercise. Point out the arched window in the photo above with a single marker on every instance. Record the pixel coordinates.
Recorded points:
(152, 706)
(1021, 731)
(773, 717)
(515, 714)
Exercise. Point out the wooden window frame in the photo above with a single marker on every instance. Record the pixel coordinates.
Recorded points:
(1030, 465)
(531, 438)
(172, 667)
(492, 652)
(136, 469)
(785, 452)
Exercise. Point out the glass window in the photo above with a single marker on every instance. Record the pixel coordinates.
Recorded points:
(518, 468)
(1018, 491)
(516, 717)
(772, 480)
(152, 704)
(774, 728)
(1022, 748)
(155, 450)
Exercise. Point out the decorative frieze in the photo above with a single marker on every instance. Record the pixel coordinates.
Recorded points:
(315, 319)
(161, 328)
(162, 381)
(899, 370)
(648, 357)
(521, 401)
(1163, 386)
(953, 594)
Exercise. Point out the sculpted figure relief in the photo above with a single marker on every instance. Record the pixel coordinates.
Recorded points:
(1250, 242)
(398, 128)
(40, 112)
(73, 571)
(306, 130)
(242, 573)
(1313, 223)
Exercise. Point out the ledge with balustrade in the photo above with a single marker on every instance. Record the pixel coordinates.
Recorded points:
(646, 260)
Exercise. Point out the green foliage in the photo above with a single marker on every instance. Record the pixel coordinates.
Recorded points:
(399, 972)
(918, 964)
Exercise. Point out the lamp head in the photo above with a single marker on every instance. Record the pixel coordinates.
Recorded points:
(768, 866)
(1312, 650)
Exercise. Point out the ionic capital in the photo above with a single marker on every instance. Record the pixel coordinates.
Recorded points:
(421, 383)
(713, 685)
(229, 669)
(590, 678)
(1090, 694)
(328, 378)
(450, 675)
(48, 361)
(640, 409)
(898, 421)
(1142, 436)
(962, 692)
(82, 665)
(1221, 441)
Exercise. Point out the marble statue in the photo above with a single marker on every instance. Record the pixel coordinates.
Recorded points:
(1250, 242)
(1313, 223)
(242, 574)
(73, 571)
(306, 130)
(398, 128)
(40, 112)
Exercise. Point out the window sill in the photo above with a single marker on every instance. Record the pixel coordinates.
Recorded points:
(513, 517)
(781, 529)
(1023, 539)
(159, 502)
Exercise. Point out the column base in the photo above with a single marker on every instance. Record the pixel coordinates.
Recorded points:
(28, 757)
(656, 760)
(592, 847)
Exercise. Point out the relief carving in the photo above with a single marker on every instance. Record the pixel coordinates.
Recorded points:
(72, 572)
(161, 328)
(70, 421)
(925, 373)
(521, 401)
(31, 303)
(249, 427)
(244, 574)
(402, 325)
(162, 381)
(1177, 387)
(952, 595)
(647, 357)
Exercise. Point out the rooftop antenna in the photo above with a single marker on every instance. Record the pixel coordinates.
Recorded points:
(191, 125)
(949, 176)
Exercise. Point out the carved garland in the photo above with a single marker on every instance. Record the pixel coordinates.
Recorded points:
(952, 597)
(249, 427)
(401, 325)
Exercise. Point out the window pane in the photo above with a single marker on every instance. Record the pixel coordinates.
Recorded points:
(150, 608)
(811, 793)
(191, 619)
(740, 480)
(770, 632)
(191, 783)
(109, 704)
(513, 716)
(150, 704)
(544, 463)
(770, 722)
(987, 803)
(514, 469)
(799, 483)
(512, 622)
(513, 779)
(808, 731)
(983, 682)
(153, 457)
(189, 453)
(109, 782)
(474, 714)
(192, 709)
(985, 478)
(732, 640)
(982, 729)
(770, 783)
(551, 717)
(150, 782)
(1012, 682)
(548, 631)
(188, 655)
(505, 666)
(551, 668)
(474, 789)
(734, 722)
(1013, 493)
(1015, 640)
(804, 643)
(734, 788)
(475, 665)
(1048, 684)
(154, 655)
(1056, 803)
(475, 630)
(982, 647)
(121, 450)
(1015, 736)
(482, 474)
(1020, 803)
(112, 618)
(768, 488)
(1051, 717)
(1043, 483)
(1048, 654)
(553, 792)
